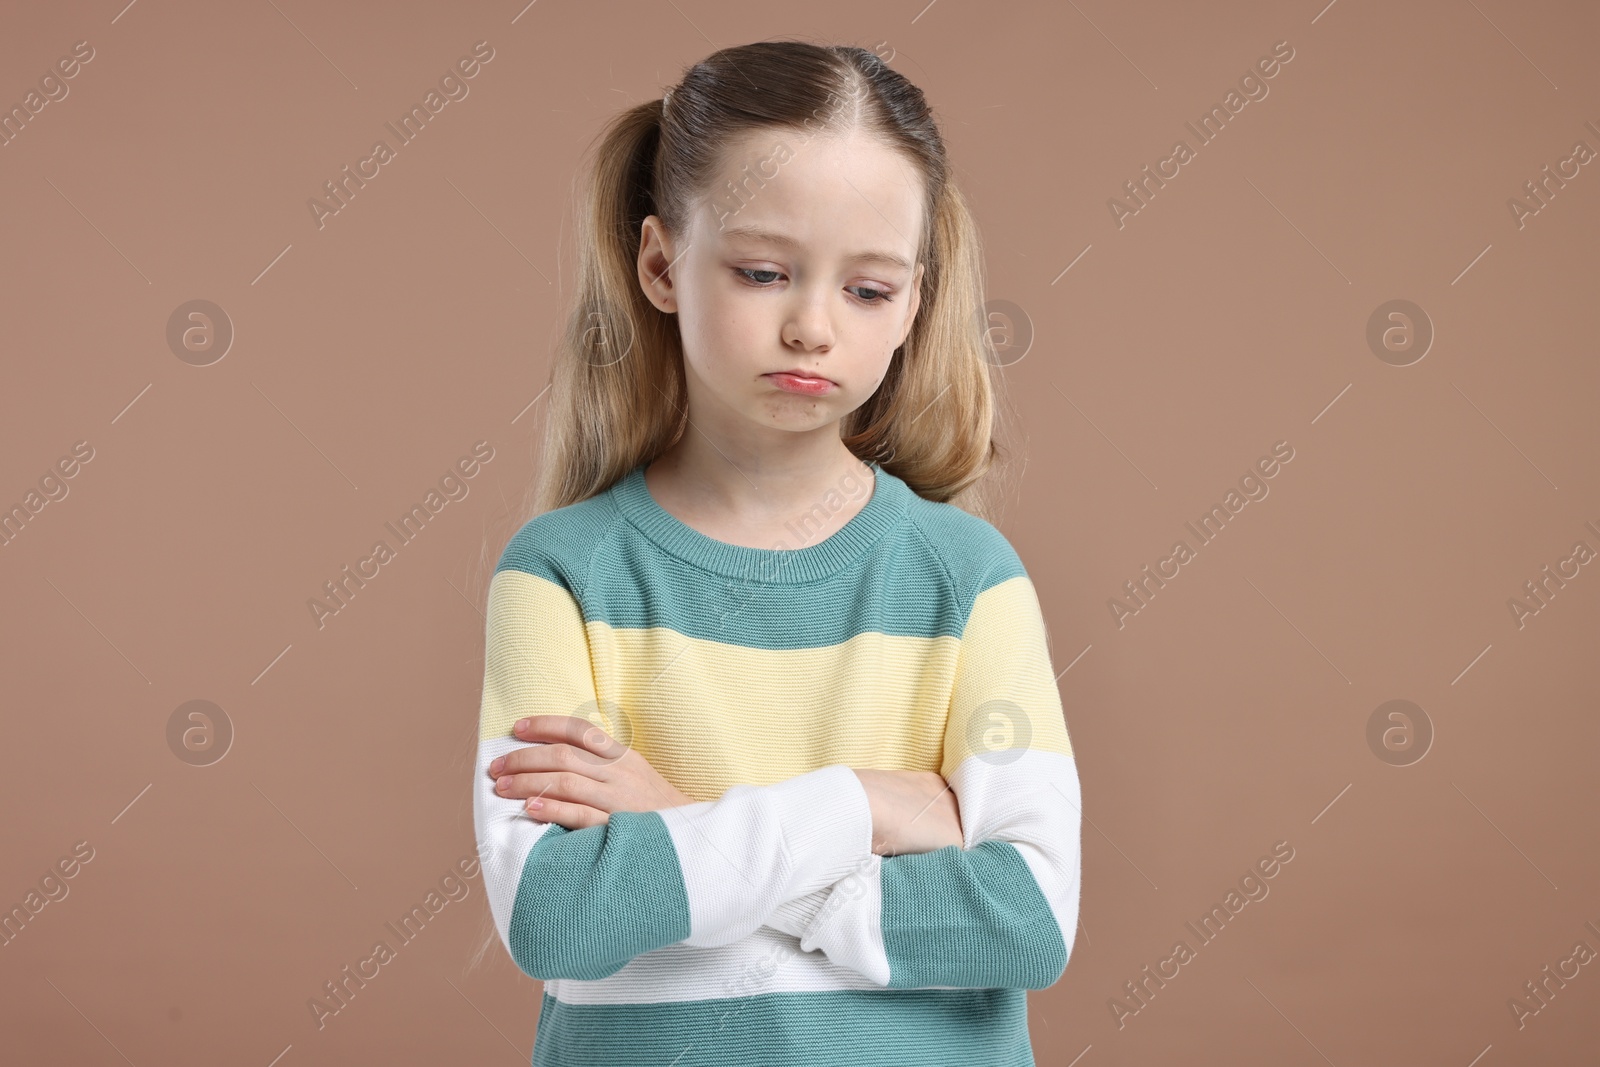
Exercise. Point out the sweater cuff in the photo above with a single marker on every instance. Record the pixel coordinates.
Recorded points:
(826, 822)
(759, 847)
(794, 917)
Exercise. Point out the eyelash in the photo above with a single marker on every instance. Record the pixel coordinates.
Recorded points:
(885, 296)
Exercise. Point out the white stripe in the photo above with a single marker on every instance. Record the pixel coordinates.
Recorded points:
(505, 834)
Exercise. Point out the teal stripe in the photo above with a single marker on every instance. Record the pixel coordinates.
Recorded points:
(565, 922)
(847, 1028)
(968, 917)
(632, 582)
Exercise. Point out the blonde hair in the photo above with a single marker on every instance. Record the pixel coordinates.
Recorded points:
(617, 395)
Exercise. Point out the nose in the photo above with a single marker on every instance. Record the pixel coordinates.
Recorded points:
(808, 327)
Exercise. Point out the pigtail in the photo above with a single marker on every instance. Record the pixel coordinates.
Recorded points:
(616, 382)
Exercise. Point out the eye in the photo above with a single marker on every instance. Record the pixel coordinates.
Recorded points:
(883, 296)
(878, 296)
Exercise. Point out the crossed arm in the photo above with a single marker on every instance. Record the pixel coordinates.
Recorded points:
(997, 910)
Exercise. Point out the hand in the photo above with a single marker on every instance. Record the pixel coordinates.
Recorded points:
(579, 775)
(912, 811)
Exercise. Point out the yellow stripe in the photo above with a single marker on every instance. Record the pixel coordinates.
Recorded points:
(709, 715)
(1006, 696)
(536, 661)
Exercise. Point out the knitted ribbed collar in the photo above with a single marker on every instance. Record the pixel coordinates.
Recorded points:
(883, 511)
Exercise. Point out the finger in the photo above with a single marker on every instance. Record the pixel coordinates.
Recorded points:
(550, 786)
(550, 757)
(571, 816)
(573, 730)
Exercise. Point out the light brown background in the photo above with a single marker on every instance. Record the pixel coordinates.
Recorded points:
(1229, 314)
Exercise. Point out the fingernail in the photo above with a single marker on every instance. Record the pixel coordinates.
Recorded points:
(523, 724)
(504, 783)
(499, 762)
(534, 803)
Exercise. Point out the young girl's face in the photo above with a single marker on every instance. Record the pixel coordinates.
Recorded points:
(810, 269)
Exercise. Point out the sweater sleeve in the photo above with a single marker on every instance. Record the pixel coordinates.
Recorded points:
(1000, 911)
(582, 903)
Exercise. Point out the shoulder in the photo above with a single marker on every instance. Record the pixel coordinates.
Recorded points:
(973, 553)
(986, 576)
(560, 545)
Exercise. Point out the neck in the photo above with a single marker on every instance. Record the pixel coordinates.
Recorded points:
(708, 481)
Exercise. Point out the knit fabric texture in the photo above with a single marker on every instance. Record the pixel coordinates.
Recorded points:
(755, 926)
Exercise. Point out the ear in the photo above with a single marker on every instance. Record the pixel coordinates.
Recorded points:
(655, 253)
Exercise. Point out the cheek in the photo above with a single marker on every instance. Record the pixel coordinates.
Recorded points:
(885, 357)
(700, 324)
(721, 341)
(711, 318)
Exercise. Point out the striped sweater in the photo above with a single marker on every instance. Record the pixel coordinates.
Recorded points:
(755, 925)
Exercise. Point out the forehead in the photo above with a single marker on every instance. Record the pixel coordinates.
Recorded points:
(832, 195)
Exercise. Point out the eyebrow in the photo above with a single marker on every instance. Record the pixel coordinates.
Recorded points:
(757, 233)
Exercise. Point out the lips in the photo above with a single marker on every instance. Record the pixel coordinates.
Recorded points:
(791, 382)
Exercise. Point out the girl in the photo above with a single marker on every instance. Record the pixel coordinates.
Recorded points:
(772, 768)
